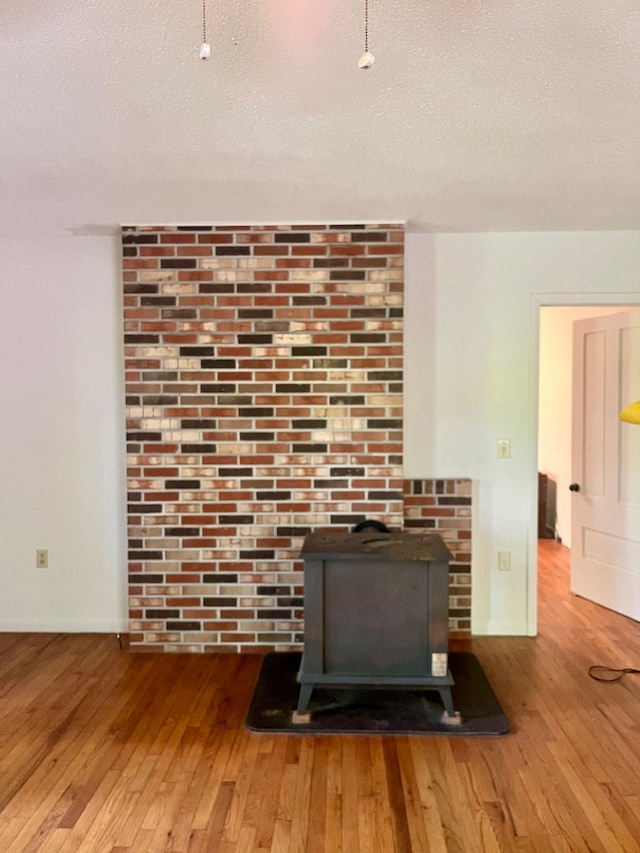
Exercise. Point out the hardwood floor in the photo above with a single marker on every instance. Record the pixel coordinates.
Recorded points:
(103, 750)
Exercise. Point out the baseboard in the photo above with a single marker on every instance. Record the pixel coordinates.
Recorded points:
(27, 627)
(500, 629)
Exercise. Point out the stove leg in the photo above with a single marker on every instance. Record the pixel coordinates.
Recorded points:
(447, 700)
(303, 697)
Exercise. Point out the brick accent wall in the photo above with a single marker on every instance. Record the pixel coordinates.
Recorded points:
(444, 507)
(263, 371)
(264, 399)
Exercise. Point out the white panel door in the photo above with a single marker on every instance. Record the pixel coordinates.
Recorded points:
(605, 529)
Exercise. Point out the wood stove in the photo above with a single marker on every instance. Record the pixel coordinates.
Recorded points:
(376, 612)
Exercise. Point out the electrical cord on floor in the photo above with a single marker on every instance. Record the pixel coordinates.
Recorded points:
(608, 673)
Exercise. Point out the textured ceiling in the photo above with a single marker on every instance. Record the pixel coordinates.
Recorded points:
(477, 115)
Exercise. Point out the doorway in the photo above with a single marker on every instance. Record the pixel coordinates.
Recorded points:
(554, 414)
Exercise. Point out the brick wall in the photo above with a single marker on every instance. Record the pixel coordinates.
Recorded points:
(444, 507)
(264, 399)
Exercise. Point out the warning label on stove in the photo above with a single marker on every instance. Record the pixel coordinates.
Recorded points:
(439, 664)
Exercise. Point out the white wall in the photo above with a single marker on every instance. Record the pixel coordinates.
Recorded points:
(472, 336)
(485, 291)
(62, 449)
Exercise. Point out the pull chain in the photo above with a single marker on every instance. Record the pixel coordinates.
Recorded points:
(367, 59)
(366, 26)
(205, 48)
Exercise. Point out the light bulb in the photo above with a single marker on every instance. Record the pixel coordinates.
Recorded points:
(366, 60)
(205, 51)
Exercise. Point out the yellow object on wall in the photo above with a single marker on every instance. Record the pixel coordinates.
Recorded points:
(631, 414)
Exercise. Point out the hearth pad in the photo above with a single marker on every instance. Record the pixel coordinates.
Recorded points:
(373, 710)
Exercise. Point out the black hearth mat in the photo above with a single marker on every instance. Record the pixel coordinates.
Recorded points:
(374, 710)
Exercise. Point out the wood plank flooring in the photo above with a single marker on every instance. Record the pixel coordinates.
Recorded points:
(106, 751)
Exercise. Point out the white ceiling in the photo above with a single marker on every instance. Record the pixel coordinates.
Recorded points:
(477, 115)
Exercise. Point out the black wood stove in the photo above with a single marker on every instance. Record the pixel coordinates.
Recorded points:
(376, 612)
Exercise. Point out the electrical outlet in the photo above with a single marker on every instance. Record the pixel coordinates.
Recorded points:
(504, 561)
(504, 448)
(42, 558)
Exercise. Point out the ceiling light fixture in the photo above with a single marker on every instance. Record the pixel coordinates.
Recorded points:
(367, 59)
(205, 47)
